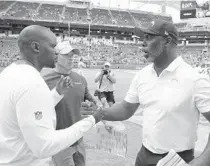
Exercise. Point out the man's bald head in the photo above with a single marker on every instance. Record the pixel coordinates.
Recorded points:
(34, 33)
(37, 44)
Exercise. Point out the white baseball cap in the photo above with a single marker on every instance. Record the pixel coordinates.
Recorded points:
(107, 64)
(65, 48)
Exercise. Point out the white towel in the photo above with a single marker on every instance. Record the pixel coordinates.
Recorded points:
(172, 159)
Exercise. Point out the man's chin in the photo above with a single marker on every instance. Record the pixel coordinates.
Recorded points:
(148, 58)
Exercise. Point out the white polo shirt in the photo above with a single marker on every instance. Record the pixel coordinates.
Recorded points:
(28, 119)
(171, 105)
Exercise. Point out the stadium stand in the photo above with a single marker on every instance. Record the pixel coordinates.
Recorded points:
(4, 5)
(100, 16)
(97, 48)
(53, 12)
(70, 14)
(50, 12)
(122, 17)
(82, 15)
(142, 19)
(22, 10)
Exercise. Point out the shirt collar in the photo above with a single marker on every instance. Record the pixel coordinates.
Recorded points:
(173, 65)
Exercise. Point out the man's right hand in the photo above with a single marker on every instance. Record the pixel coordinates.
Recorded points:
(90, 109)
(63, 84)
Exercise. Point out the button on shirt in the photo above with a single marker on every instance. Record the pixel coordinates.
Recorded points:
(28, 119)
(171, 105)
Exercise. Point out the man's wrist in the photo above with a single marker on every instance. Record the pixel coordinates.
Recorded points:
(99, 115)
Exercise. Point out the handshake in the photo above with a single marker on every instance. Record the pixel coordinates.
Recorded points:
(90, 108)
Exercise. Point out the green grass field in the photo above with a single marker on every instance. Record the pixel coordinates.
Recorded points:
(133, 130)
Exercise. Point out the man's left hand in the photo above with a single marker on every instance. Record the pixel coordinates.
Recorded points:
(63, 84)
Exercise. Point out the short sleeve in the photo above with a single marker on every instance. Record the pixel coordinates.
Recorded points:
(202, 94)
(132, 94)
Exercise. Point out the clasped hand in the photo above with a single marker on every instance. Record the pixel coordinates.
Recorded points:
(89, 108)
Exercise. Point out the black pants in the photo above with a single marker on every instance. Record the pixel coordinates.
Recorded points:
(147, 158)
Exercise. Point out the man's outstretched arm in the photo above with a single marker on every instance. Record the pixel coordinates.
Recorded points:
(120, 112)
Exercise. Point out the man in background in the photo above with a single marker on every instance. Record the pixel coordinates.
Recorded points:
(81, 66)
(106, 80)
(68, 111)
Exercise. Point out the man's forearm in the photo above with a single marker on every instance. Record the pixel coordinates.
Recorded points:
(89, 97)
(114, 113)
(203, 159)
(120, 112)
(98, 78)
(53, 141)
(112, 79)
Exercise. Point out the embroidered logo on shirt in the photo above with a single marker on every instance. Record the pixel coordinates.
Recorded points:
(38, 115)
(174, 81)
(77, 83)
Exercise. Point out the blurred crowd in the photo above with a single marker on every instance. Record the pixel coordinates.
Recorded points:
(73, 14)
(100, 50)
(8, 52)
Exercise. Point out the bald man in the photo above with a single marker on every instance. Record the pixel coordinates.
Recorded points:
(27, 114)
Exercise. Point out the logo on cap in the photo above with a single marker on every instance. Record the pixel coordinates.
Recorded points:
(38, 115)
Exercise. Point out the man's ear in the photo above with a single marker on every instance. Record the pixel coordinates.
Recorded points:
(168, 40)
(35, 46)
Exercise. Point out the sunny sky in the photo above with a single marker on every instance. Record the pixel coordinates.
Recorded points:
(133, 5)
